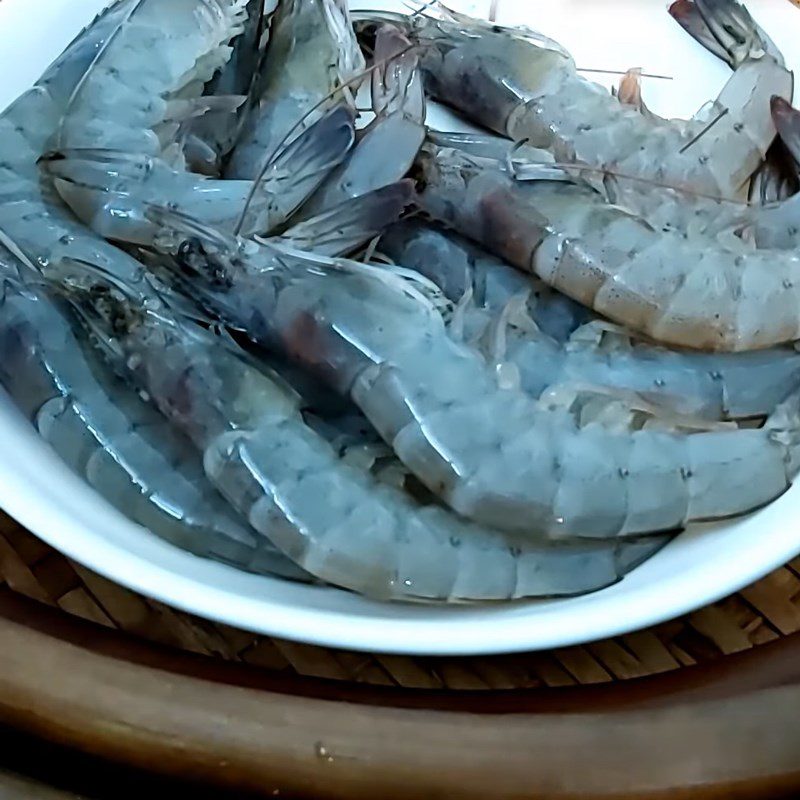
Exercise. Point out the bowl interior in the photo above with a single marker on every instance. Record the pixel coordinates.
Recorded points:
(700, 566)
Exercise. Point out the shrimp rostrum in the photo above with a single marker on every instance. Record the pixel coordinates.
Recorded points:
(273, 468)
(491, 452)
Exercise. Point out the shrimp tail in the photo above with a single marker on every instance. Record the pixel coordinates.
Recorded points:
(303, 165)
(687, 15)
(347, 226)
(396, 85)
(730, 23)
(787, 121)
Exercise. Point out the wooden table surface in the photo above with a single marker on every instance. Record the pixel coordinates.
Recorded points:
(730, 729)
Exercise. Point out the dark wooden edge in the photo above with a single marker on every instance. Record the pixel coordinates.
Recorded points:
(20, 787)
(727, 729)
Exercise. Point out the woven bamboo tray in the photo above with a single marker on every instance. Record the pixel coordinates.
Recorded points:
(705, 705)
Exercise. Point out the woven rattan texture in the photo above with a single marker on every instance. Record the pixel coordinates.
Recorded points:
(761, 613)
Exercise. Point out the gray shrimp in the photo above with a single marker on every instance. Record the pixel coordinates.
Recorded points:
(679, 289)
(511, 82)
(552, 341)
(275, 470)
(312, 53)
(104, 432)
(490, 451)
(115, 149)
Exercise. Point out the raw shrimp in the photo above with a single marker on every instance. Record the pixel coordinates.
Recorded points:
(551, 342)
(387, 148)
(675, 288)
(120, 445)
(275, 470)
(512, 82)
(33, 220)
(312, 52)
(115, 148)
(492, 452)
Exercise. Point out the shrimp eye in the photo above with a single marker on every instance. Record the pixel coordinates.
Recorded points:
(98, 291)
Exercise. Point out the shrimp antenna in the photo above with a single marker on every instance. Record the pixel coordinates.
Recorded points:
(93, 63)
(571, 166)
(705, 130)
(355, 79)
(8, 242)
(419, 11)
(624, 72)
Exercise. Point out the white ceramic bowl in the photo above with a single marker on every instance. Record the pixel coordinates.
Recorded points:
(699, 567)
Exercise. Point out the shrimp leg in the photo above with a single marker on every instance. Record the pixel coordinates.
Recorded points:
(211, 138)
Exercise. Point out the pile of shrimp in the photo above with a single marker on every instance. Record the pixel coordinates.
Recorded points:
(332, 345)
